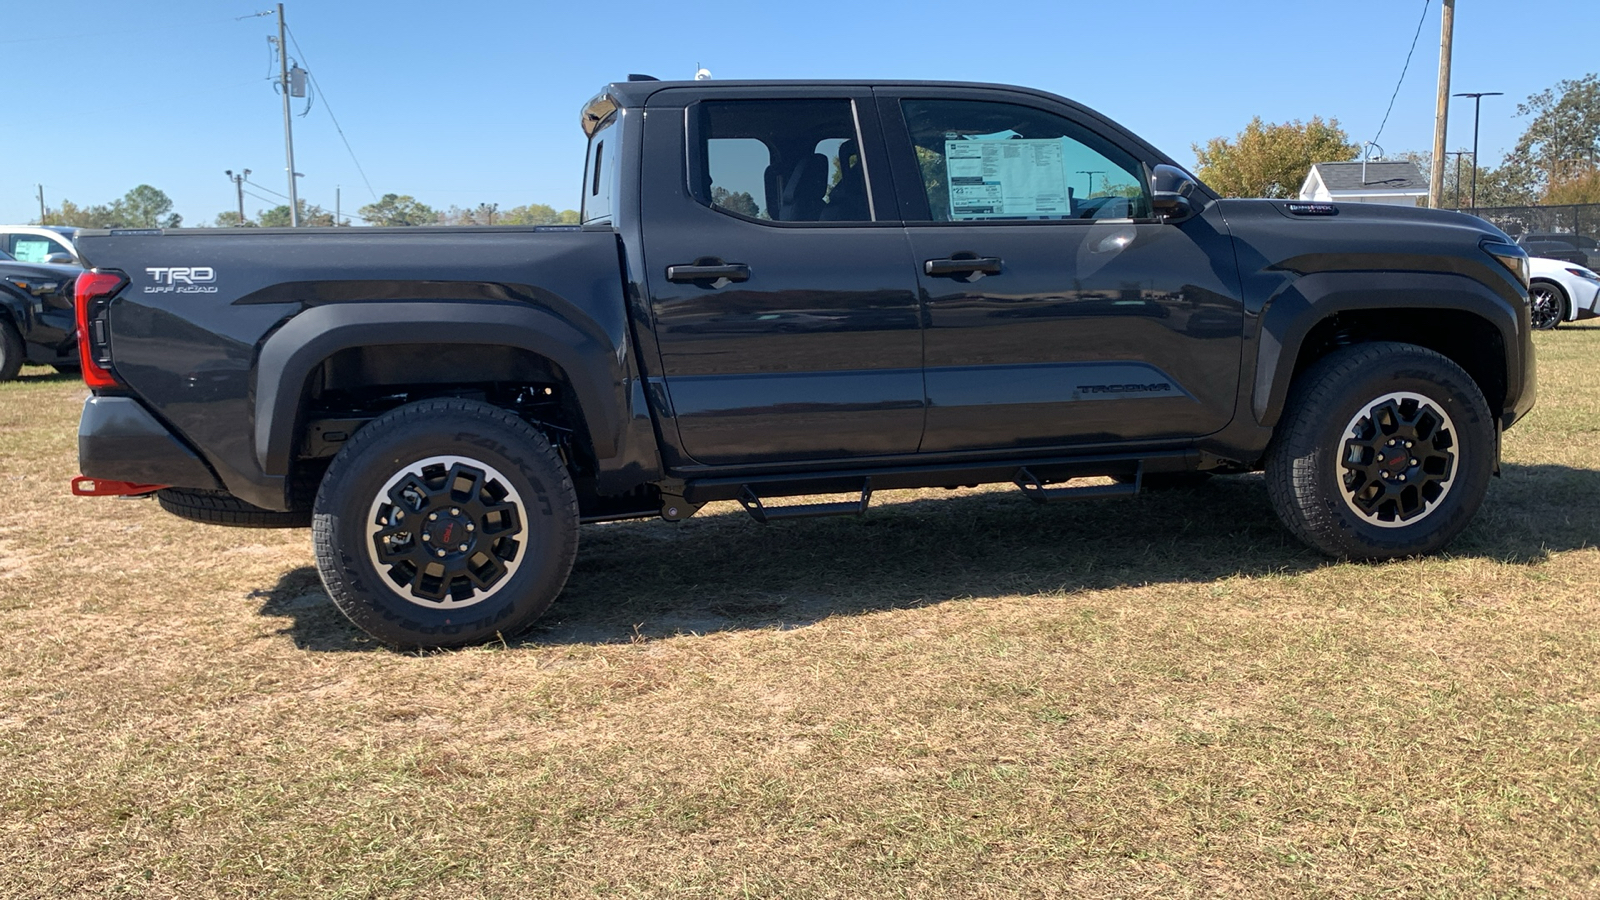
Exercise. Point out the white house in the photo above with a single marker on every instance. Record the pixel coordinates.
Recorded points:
(1398, 183)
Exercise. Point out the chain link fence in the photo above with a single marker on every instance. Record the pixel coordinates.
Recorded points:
(1578, 219)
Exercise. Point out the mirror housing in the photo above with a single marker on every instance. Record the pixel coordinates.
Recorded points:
(1172, 192)
(62, 259)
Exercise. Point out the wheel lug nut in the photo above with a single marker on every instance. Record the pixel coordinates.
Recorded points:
(433, 517)
(1402, 478)
(1413, 462)
(426, 536)
(462, 548)
(441, 552)
(1380, 457)
(469, 526)
(454, 511)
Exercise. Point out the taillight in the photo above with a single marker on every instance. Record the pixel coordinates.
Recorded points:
(93, 295)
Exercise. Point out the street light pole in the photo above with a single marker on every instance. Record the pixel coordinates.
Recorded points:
(1458, 154)
(1477, 100)
(1091, 173)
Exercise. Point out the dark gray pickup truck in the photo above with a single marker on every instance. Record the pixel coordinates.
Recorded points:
(783, 289)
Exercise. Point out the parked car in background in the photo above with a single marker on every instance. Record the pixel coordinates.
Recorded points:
(53, 244)
(1553, 249)
(36, 315)
(1559, 291)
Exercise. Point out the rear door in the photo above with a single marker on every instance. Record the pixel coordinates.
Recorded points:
(779, 277)
(1060, 311)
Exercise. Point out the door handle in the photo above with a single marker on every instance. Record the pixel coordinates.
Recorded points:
(962, 265)
(708, 270)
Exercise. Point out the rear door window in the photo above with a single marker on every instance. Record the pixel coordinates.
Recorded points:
(781, 161)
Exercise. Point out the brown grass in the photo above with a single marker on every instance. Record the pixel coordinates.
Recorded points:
(957, 695)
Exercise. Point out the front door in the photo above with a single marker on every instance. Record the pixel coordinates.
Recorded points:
(1059, 310)
(780, 283)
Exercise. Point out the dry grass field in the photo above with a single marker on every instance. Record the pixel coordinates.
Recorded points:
(958, 695)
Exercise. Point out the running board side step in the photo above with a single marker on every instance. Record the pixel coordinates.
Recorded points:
(764, 514)
(1036, 490)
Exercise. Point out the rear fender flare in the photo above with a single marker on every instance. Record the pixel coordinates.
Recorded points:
(295, 350)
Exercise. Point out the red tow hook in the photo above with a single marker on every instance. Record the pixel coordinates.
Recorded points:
(84, 486)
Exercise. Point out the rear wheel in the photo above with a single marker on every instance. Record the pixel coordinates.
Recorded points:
(444, 523)
(1547, 305)
(1385, 451)
(12, 353)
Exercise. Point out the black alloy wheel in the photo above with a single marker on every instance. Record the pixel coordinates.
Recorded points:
(1398, 461)
(447, 531)
(1547, 305)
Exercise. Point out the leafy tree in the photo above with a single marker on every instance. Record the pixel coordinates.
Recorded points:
(1562, 140)
(398, 209)
(537, 214)
(230, 219)
(1271, 160)
(1581, 188)
(736, 201)
(146, 207)
(142, 207)
(312, 216)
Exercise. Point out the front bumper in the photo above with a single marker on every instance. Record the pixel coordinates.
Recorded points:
(119, 440)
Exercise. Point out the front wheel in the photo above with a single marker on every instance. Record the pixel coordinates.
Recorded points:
(445, 523)
(12, 351)
(1547, 305)
(1385, 451)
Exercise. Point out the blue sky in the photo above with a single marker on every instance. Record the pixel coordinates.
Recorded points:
(471, 102)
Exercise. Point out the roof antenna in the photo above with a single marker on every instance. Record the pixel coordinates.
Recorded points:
(1366, 153)
(701, 74)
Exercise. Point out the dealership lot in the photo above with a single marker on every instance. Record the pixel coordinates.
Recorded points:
(1165, 695)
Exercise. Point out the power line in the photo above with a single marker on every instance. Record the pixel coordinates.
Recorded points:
(311, 73)
(1403, 70)
(267, 189)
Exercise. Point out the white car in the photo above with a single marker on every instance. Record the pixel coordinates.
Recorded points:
(40, 244)
(1561, 292)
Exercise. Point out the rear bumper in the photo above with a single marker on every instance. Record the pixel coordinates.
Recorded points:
(119, 440)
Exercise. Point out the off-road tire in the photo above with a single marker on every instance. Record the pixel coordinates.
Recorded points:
(12, 351)
(1547, 305)
(391, 467)
(1309, 468)
(222, 508)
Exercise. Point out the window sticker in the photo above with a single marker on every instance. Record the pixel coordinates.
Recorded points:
(31, 250)
(992, 177)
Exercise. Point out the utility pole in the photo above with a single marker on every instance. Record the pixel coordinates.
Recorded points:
(1477, 102)
(1441, 116)
(1091, 173)
(336, 206)
(288, 131)
(42, 217)
(238, 182)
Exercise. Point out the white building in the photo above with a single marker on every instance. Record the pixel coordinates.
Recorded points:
(1398, 183)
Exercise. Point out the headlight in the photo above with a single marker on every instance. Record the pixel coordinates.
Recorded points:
(1583, 273)
(1509, 255)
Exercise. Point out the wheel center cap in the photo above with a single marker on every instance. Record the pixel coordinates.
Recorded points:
(449, 533)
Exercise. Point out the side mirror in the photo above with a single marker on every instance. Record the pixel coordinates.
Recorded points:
(62, 259)
(1172, 192)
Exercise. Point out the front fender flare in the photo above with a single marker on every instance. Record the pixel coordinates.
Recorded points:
(294, 351)
(1291, 315)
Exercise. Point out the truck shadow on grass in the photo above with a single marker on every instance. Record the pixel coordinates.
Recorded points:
(720, 571)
